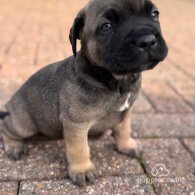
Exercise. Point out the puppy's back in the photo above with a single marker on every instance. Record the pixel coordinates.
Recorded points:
(37, 100)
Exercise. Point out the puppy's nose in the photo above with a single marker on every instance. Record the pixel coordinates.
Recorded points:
(146, 41)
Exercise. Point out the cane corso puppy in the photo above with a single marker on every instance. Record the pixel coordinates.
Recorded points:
(93, 90)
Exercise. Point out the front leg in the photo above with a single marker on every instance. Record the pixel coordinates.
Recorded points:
(81, 169)
(122, 132)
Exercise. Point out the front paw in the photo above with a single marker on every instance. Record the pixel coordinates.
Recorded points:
(82, 175)
(130, 147)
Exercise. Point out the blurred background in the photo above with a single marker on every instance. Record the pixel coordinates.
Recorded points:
(35, 33)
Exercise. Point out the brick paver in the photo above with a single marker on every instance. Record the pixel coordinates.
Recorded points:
(108, 185)
(180, 166)
(190, 145)
(8, 188)
(163, 125)
(34, 34)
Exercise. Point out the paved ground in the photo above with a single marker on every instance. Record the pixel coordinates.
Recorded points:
(35, 33)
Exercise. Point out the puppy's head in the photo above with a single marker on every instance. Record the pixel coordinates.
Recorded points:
(121, 36)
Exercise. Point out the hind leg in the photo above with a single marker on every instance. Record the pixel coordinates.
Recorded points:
(14, 148)
(13, 138)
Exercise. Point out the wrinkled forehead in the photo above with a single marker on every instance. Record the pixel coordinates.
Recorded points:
(96, 8)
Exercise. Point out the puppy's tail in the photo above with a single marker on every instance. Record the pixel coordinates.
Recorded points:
(3, 114)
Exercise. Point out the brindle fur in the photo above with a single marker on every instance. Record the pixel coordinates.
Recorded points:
(83, 94)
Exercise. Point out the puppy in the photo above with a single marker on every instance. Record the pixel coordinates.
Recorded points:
(93, 90)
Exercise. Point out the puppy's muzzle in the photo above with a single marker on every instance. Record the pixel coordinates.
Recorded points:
(146, 42)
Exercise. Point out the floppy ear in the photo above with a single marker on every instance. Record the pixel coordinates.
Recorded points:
(75, 31)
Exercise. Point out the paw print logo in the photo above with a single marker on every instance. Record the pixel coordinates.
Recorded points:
(160, 171)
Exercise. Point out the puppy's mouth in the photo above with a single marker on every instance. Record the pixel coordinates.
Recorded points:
(144, 67)
(140, 61)
(137, 55)
(135, 69)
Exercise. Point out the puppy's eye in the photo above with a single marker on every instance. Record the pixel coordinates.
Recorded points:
(155, 14)
(107, 27)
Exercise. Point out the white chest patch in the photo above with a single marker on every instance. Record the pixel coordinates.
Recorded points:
(126, 105)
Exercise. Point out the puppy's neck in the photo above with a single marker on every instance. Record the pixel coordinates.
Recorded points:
(96, 76)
